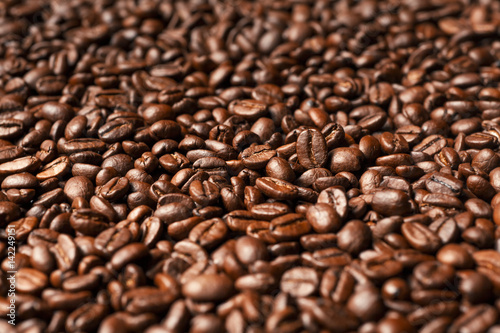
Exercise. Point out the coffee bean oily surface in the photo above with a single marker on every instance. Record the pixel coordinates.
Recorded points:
(250, 166)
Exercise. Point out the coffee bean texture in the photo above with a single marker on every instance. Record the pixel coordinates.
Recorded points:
(250, 166)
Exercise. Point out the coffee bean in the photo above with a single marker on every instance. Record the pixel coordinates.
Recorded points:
(249, 109)
(389, 202)
(9, 212)
(88, 221)
(479, 318)
(366, 304)
(249, 250)
(354, 237)
(455, 255)
(22, 164)
(30, 281)
(276, 188)
(311, 149)
(443, 183)
(115, 131)
(209, 233)
(81, 145)
(146, 299)
(112, 239)
(323, 218)
(345, 159)
(129, 253)
(420, 237)
(208, 288)
(289, 227)
(86, 317)
(79, 187)
(257, 157)
(66, 253)
(335, 196)
(300, 281)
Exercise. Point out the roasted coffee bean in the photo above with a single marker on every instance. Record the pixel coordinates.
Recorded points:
(434, 275)
(249, 250)
(420, 237)
(22, 164)
(132, 252)
(391, 202)
(80, 145)
(86, 317)
(289, 227)
(323, 218)
(335, 196)
(88, 221)
(249, 109)
(115, 131)
(455, 255)
(354, 237)
(208, 288)
(115, 188)
(257, 157)
(79, 187)
(478, 318)
(31, 281)
(66, 253)
(146, 299)
(311, 149)
(443, 183)
(112, 239)
(345, 159)
(209, 233)
(276, 188)
(300, 281)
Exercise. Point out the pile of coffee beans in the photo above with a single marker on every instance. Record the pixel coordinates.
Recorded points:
(250, 166)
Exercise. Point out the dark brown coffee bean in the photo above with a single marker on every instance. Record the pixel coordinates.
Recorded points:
(66, 253)
(58, 167)
(289, 227)
(478, 318)
(22, 164)
(132, 252)
(249, 250)
(257, 157)
(443, 183)
(311, 149)
(146, 299)
(112, 239)
(354, 237)
(323, 218)
(420, 237)
(345, 159)
(249, 109)
(115, 189)
(88, 221)
(391, 202)
(208, 288)
(300, 281)
(455, 255)
(366, 304)
(276, 188)
(86, 317)
(209, 233)
(335, 196)
(30, 281)
(79, 187)
(115, 131)
(82, 144)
